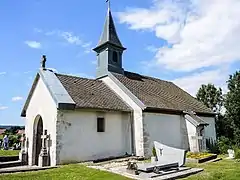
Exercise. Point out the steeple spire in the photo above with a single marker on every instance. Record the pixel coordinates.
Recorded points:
(109, 34)
(109, 49)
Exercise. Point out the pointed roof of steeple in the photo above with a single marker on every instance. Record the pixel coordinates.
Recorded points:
(109, 34)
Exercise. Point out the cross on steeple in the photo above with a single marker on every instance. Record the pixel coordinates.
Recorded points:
(109, 4)
(109, 49)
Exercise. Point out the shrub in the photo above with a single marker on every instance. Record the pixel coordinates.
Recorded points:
(237, 153)
(224, 144)
(212, 146)
(154, 152)
(12, 139)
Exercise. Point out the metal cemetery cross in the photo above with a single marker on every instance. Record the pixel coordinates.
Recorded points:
(44, 139)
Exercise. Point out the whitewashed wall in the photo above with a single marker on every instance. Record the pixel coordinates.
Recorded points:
(192, 132)
(163, 128)
(210, 130)
(42, 104)
(78, 139)
(118, 88)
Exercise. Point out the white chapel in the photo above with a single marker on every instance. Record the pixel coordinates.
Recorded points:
(74, 119)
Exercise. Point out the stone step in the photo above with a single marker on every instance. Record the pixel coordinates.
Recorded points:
(8, 158)
(178, 175)
(171, 171)
(214, 160)
(148, 167)
(24, 169)
(10, 164)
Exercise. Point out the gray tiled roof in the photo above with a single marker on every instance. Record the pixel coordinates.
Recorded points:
(90, 93)
(109, 33)
(156, 93)
(194, 119)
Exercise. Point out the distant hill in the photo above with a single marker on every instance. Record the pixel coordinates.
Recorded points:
(9, 126)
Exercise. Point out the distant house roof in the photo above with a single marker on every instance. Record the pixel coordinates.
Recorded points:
(158, 94)
(21, 131)
(91, 93)
(2, 131)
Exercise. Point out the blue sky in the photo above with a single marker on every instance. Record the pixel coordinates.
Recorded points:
(187, 42)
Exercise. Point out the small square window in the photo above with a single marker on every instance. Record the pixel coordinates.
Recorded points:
(100, 124)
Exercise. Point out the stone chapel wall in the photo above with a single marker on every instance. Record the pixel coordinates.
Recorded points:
(164, 128)
(78, 139)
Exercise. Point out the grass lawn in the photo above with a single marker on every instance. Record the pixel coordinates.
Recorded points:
(222, 170)
(9, 152)
(65, 172)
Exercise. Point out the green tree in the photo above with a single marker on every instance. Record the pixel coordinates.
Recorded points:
(213, 98)
(232, 105)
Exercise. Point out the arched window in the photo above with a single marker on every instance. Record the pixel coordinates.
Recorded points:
(115, 56)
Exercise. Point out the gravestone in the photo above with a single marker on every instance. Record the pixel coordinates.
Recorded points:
(44, 156)
(169, 154)
(23, 155)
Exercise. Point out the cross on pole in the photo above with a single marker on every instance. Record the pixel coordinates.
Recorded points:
(108, 1)
(44, 139)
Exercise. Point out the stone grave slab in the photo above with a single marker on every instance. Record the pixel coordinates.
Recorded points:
(149, 167)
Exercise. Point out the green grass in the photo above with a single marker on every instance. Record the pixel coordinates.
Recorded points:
(9, 152)
(222, 170)
(65, 172)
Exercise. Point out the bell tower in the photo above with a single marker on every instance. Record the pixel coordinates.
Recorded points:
(109, 49)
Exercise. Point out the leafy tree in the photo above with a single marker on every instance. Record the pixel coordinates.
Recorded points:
(232, 105)
(213, 98)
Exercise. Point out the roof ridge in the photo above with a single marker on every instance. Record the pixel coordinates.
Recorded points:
(71, 75)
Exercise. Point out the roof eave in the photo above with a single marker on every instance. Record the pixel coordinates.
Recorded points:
(177, 112)
(23, 112)
(103, 109)
(108, 42)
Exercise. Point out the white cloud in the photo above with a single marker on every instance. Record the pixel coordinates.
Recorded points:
(2, 73)
(192, 83)
(17, 98)
(70, 37)
(152, 48)
(37, 30)
(33, 44)
(3, 108)
(199, 33)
